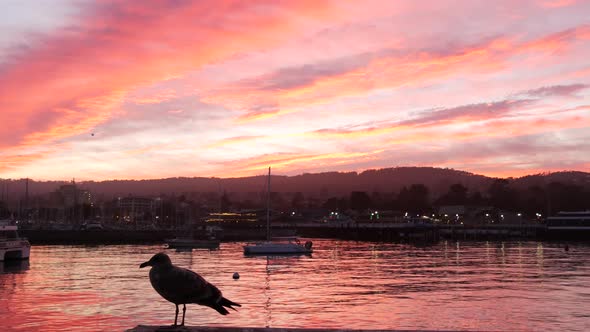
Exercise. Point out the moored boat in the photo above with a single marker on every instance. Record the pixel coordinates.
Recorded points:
(204, 237)
(188, 243)
(569, 225)
(12, 246)
(575, 220)
(275, 246)
(279, 246)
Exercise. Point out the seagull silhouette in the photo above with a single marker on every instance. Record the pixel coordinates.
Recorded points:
(182, 286)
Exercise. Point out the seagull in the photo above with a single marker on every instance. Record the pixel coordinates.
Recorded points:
(183, 286)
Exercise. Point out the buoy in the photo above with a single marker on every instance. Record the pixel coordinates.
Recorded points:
(567, 248)
(236, 276)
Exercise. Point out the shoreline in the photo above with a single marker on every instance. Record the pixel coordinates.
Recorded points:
(419, 235)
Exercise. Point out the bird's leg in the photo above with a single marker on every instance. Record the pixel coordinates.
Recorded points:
(183, 312)
(176, 316)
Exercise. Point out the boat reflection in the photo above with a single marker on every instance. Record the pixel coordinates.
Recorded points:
(14, 266)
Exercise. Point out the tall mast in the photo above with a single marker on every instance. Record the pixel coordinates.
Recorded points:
(268, 208)
(27, 199)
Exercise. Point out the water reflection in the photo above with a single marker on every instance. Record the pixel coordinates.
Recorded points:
(14, 266)
(449, 286)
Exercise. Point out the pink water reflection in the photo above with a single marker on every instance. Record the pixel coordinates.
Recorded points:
(478, 286)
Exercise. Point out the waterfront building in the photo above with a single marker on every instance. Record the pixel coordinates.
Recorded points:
(134, 209)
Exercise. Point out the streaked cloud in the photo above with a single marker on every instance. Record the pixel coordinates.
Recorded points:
(556, 90)
(557, 3)
(128, 89)
(234, 140)
(294, 87)
(437, 118)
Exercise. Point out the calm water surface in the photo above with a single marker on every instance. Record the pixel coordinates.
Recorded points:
(526, 286)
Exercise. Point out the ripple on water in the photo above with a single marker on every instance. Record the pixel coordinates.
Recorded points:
(476, 285)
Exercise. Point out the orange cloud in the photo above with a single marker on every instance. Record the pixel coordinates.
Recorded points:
(492, 167)
(12, 162)
(296, 88)
(150, 148)
(370, 73)
(154, 98)
(489, 129)
(557, 41)
(285, 161)
(70, 82)
(431, 119)
(119, 60)
(557, 3)
(234, 140)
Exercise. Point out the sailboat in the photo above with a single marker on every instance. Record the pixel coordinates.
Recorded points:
(207, 239)
(282, 246)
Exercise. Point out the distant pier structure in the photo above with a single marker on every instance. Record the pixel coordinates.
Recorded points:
(387, 232)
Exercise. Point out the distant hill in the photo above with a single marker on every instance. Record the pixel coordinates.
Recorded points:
(570, 177)
(322, 185)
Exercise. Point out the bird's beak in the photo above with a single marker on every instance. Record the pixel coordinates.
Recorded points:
(144, 265)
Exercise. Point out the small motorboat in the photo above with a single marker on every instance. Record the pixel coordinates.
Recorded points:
(189, 243)
(12, 246)
(279, 246)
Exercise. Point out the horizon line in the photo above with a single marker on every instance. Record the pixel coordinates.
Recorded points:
(358, 172)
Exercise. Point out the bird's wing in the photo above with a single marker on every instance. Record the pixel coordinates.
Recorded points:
(180, 285)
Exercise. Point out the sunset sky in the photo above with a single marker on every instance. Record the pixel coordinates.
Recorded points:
(151, 89)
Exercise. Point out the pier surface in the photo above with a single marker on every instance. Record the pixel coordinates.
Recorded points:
(145, 328)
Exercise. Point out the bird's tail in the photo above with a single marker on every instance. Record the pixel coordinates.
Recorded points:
(222, 304)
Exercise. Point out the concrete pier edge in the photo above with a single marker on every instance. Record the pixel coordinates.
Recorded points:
(147, 328)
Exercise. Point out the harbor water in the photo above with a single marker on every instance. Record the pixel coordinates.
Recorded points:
(516, 286)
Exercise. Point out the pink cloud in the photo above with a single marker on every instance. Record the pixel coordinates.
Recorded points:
(556, 90)
(369, 74)
(155, 98)
(296, 87)
(175, 111)
(287, 162)
(557, 3)
(69, 82)
(234, 140)
(14, 161)
(433, 118)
